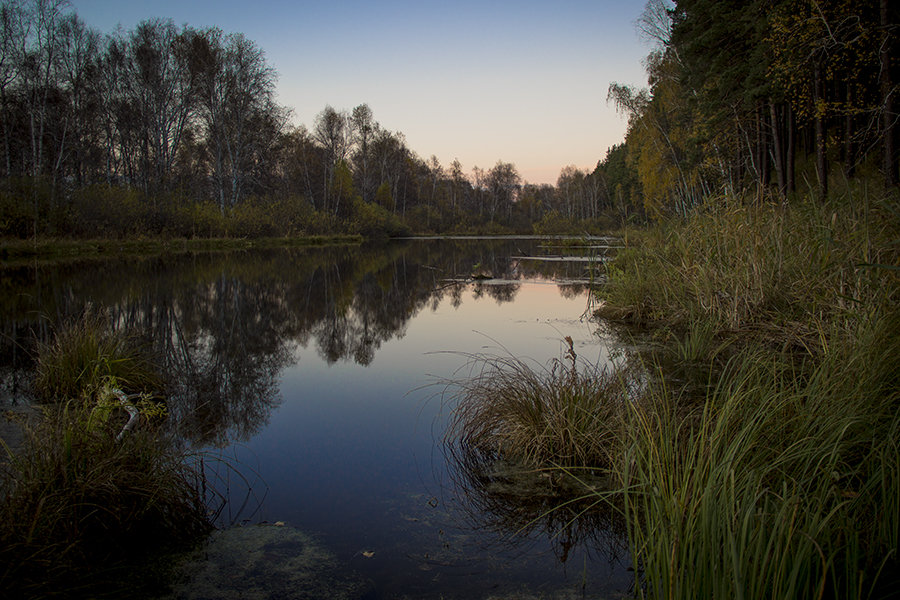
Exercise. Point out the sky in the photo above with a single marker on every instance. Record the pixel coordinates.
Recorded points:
(479, 81)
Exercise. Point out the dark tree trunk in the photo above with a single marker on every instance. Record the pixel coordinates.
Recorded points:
(889, 163)
(849, 150)
(777, 149)
(791, 143)
(821, 158)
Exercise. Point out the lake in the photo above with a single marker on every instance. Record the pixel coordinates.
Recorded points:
(314, 383)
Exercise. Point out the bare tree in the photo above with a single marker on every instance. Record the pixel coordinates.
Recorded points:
(78, 62)
(236, 90)
(12, 44)
(363, 127)
(161, 94)
(655, 23)
(332, 133)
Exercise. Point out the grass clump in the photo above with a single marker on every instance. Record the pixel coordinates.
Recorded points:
(775, 486)
(557, 416)
(77, 506)
(762, 272)
(87, 353)
(81, 503)
(779, 476)
(782, 480)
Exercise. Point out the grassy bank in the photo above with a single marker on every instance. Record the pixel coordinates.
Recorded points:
(85, 506)
(16, 250)
(759, 458)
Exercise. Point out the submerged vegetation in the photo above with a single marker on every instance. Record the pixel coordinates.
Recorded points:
(80, 503)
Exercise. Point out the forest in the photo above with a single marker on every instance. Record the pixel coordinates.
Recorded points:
(768, 98)
(175, 131)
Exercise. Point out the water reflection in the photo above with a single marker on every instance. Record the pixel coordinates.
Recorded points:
(299, 363)
(226, 325)
(516, 503)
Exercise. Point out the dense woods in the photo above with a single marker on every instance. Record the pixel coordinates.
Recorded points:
(176, 131)
(768, 96)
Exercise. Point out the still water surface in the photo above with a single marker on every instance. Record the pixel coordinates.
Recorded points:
(316, 377)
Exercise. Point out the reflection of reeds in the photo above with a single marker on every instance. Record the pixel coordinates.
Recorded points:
(517, 502)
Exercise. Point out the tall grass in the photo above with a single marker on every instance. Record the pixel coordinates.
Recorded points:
(85, 354)
(783, 481)
(76, 500)
(77, 505)
(557, 415)
(781, 477)
(774, 487)
(766, 272)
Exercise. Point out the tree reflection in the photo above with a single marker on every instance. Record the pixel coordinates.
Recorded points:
(226, 324)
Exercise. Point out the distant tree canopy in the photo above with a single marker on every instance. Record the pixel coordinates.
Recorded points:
(175, 130)
(178, 118)
(745, 94)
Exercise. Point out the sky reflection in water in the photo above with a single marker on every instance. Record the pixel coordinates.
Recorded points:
(317, 374)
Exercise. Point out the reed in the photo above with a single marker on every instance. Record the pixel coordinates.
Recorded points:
(762, 272)
(534, 416)
(79, 502)
(782, 481)
(780, 476)
(77, 505)
(83, 355)
(774, 487)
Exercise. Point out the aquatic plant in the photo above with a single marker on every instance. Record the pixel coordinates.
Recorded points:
(559, 415)
(783, 481)
(761, 272)
(82, 496)
(78, 505)
(85, 353)
(776, 486)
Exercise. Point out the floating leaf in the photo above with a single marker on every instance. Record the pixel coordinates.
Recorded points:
(368, 553)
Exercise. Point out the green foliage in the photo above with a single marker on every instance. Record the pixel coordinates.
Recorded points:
(85, 355)
(373, 221)
(764, 270)
(77, 504)
(109, 211)
(783, 480)
(554, 223)
(776, 485)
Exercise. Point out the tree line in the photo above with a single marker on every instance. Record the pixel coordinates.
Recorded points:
(177, 130)
(767, 96)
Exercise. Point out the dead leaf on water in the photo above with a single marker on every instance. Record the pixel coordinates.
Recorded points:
(368, 553)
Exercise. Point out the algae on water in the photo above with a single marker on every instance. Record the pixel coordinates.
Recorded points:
(264, 561)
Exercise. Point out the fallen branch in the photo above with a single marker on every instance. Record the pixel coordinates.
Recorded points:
(125, 400)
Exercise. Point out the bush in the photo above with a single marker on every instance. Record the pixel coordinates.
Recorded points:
(109, 211)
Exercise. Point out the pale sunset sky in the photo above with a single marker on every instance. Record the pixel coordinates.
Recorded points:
(523, 82)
